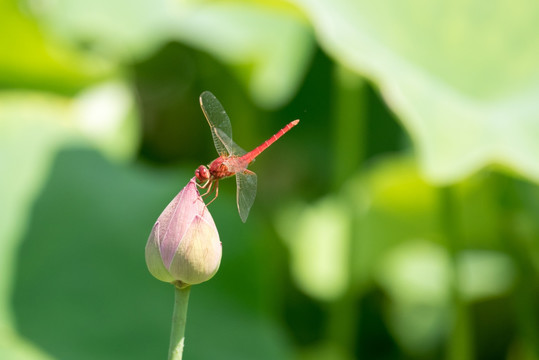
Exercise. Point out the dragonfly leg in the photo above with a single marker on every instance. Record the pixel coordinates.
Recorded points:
(209, 186)
(216, 192)
(202, 186)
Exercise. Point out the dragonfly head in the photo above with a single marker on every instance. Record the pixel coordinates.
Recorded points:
(202, 173)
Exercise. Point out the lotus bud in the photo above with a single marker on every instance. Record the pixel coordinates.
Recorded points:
(184, 247)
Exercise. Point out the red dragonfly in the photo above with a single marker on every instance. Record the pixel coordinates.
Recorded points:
(232, 159)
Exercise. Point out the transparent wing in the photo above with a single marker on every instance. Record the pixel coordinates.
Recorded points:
(231, 147)
(246, 192)
(221, 130)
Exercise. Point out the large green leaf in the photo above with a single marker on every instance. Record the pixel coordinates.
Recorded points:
(33, 127)
(462, 76)
(268, 46)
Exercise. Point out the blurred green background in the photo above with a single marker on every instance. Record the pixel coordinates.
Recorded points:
(399, 220)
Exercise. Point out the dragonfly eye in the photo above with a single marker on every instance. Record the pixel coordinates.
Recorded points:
(202, 173)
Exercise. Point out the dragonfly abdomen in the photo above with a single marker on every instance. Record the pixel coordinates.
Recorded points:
(255, 152)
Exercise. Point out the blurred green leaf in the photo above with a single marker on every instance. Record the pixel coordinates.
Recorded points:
(268, 45)
(383, 229)
(327, 257)
(119, 30)
(326, 351)
(318, 238)
(416, 276)
(29, 59)
(33, 127)
(27, 147)
(393, 204)
(463, 76)
(272, 46)
(417, 271)
(13, 347)
(483, 274)
(102, 116)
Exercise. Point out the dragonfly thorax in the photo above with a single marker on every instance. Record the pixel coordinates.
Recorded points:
(219, 168)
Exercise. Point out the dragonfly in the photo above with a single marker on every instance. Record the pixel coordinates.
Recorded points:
(232, 160)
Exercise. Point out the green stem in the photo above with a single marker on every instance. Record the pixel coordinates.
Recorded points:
(525, 307)
(349, 118)
(460, 344)
(179, 318)
(348, 147)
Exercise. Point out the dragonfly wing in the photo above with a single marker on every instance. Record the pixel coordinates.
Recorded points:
(230, 147)
(246, 192)
(221, 130)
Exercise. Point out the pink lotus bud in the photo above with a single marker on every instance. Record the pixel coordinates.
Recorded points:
(184, 247)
